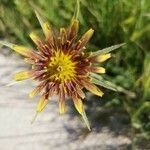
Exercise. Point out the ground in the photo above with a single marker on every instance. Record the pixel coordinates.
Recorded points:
(50, 131)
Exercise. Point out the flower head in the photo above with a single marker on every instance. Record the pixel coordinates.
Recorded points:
(61, 65)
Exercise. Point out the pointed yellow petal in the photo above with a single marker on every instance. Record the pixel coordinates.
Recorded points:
(98, 70)
(85, 38)
(102, 58)
(95, 90)
(47, 30)
(79, 90)
(81, 93)
(41, 104)
(22, 50)
(19, 49)
(92, 88)
(34, 38)
(34, 92)
(78, 104)
(62, 106)
(23, 75)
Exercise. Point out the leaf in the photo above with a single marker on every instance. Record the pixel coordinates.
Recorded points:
(103, 83)
(109, 85)
(107, 50)
(136, 121)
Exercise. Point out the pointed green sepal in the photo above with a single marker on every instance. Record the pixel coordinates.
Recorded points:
(98, 80)
(34, 117)
(107, 50)
(40, 19)
(7, 44)
(84, 117)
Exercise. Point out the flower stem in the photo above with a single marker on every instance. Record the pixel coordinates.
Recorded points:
(77, 9)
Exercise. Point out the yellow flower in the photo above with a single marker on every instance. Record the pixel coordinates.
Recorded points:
(61, 65)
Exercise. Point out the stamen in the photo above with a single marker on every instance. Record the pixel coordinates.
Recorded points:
(59, 68)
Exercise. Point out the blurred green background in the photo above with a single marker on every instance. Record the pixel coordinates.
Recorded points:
(114, 22)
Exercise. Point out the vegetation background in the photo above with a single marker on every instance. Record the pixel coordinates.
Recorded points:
(114, 22)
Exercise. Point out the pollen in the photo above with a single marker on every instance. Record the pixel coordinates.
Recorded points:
(61, 67)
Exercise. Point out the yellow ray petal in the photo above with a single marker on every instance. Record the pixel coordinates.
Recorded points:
(17, 48)
(47, 31)
(93, 89)
(34, 92)
(22, 50)
(34, 38)
(85, 38)
(81, 93)
(99, 70)
(62, 106)
(23, 75)
(41, 104)
(78, 104)
(102, 58)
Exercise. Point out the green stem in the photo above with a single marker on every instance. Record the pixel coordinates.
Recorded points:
(77, 9)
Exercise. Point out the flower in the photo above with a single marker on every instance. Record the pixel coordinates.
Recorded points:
(61, 65)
